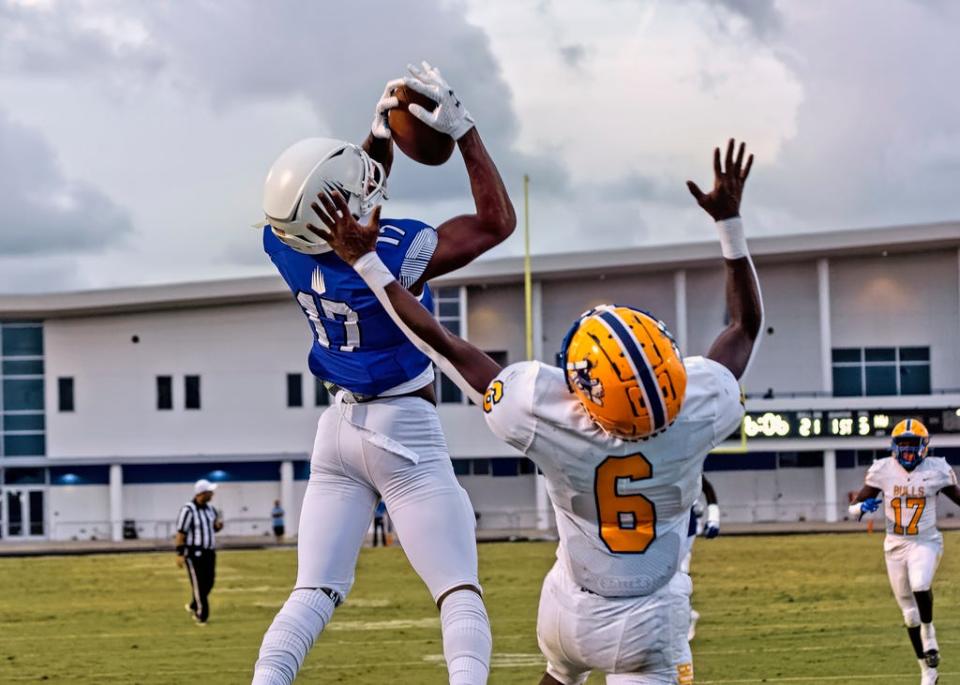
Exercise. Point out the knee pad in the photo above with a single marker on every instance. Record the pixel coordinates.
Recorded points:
(466, 638)
(911, 617)
(291, 635)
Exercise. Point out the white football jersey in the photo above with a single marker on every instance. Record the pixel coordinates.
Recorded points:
(622, 508)
(910, 497)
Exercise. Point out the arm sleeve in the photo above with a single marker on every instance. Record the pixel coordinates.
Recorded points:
(873, 478)
(184, 520)
(406, 248)
(508, 405)
(418, 256)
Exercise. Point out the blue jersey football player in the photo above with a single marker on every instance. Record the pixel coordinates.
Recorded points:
(382, 435)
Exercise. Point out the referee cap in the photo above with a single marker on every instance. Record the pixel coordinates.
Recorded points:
(203, 485)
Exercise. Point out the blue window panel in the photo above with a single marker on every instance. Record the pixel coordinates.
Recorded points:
(915, 379)
(481, 467)
(22, 341)
(461, 467)
(23, 422)
(881, 354)
(506, 466)
(914, 354)
(24, 445)
(23, 367)
(846, 459)
(80, 475)
(800, 460)
(20, 394)
(24, 476)
(449, 392)
(951, 454)
(881, 380)
(847, 381)
(301, 470)
(189, 473)
(847, 354)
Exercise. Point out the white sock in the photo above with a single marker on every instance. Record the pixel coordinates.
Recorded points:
(929, 637)
(291, 635)
(466, 638)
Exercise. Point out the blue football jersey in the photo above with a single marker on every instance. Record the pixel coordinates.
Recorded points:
(356, 345)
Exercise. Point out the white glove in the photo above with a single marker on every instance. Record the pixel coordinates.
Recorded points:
(712, 527)
(449, 116)
(380, 127)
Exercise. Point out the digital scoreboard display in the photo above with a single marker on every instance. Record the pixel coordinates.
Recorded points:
(845, 424)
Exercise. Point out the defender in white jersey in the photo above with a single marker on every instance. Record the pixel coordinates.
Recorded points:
(907, 483)
(620, 431)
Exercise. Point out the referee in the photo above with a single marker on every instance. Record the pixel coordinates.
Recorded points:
(196, 540)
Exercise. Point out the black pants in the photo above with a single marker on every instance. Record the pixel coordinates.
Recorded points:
(378, 526)
(201, 568)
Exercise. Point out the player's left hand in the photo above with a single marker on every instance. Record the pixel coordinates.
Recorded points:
(380, 126)
(348, 237)
(711, 530)
(449, 116)
(723, 202)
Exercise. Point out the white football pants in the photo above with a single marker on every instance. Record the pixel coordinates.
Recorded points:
(394, 447)
(634, 640)
(911, 566)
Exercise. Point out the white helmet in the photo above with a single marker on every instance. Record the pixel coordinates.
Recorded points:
(305, 169)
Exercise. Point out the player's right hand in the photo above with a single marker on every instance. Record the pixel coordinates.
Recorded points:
(723, 202)
(180, 562)
(449, 116)
(380, 126)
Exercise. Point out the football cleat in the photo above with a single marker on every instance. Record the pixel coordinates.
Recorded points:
(626, 370)
(910, 441)
(312, 166)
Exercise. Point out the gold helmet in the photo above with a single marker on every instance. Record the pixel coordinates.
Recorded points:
(910, 442)
(624, 367)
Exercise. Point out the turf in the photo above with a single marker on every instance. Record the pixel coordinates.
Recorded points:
(797, 609)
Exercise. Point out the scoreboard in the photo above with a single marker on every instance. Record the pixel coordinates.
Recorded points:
(867, 423)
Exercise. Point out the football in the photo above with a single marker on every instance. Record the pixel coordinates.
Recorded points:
(418, 141)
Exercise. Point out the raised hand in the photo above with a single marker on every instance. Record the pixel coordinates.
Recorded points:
(380, 128)
(348, 237)
(449, 116)
(723, 202)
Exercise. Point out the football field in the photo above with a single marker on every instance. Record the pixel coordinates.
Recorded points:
(787, 609)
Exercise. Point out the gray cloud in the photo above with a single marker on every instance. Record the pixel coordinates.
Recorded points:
(44, 212)
(573, 55)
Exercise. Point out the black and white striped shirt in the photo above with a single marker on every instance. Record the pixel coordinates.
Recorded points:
(196, 523)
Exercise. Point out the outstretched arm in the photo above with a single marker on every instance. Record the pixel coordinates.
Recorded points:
(866, 501)
(952, 492)
(463, 238)
(470, 368)
(734, 347)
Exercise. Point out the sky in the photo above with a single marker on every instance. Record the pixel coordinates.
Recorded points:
(135, 135)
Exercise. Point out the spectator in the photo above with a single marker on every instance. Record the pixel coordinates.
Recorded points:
(277, 515)
(378, 515)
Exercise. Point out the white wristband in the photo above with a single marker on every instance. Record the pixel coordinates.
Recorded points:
(372, 270)
(854, 509)
(733, 245)
(713, 513)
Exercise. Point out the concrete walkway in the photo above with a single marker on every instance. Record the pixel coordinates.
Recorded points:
(11, 548)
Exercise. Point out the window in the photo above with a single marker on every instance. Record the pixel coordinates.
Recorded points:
(448, 308)
(321, 396)
(22, 393)
(461, 467)
(294, 390)
(481, 467)
(164, 392)
(870, 371)
(191, 387)
(65, 393)
(799, 460)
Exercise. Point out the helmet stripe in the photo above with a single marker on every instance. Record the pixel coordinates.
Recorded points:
(641, 367)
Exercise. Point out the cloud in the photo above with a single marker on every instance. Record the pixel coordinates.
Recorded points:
(43, 211)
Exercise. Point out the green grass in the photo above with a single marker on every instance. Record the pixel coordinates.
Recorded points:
(800, 609)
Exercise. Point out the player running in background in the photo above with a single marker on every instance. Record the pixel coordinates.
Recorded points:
(382, 436)
(620, 431)
(908, 482)
(710, 530)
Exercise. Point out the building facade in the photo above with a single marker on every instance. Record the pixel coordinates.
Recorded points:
(114, 401)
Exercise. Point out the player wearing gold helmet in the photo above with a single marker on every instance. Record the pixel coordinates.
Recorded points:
(620, 432)
(907, 483)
